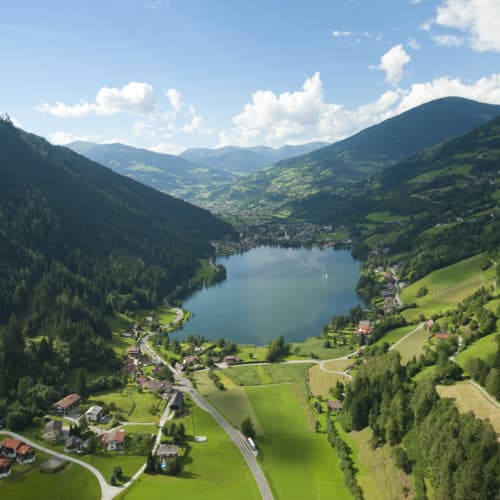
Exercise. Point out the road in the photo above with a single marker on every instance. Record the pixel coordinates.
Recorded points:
(234, 435)
(107, 491)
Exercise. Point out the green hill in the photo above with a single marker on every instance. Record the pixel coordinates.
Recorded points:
(365, 154)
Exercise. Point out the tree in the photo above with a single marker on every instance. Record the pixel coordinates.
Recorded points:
(92, 445)
(150, 464)
(82, 384)
(247, 428)
(117, 471)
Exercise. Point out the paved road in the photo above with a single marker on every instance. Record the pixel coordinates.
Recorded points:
(107, 492)
(233, 434)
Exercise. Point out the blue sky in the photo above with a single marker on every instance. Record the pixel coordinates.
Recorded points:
(168, 75)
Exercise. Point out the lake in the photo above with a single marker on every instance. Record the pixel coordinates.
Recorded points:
(271, 291)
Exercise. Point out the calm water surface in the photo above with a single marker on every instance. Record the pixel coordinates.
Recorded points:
(275, 291)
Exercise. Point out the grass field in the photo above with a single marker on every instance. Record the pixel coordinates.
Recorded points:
(298, 463)
(320, 381)
(447, 287)
(26, 482)
(214, 469)
(469, 398)
(377, 474)
(233, 403)
(394, 335)
(134, 405)
(338, 365)
(479, 349)
(413, 345)
(313, 345)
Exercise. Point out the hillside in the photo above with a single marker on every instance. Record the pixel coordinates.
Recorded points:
(243, 161)
(76, 242)
(365, 154)
(167, 173)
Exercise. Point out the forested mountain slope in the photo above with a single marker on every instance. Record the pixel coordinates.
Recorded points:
(366, 153)
(77, 240)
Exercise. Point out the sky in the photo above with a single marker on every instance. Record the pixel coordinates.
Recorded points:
(168, 75)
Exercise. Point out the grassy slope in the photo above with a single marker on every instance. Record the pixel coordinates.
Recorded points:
(413, 345)
(447, 287)
(26, 482)
(214, 469)
(321, 381)
(479, 349)
(298, 463)
(394, 335)
(469, 398)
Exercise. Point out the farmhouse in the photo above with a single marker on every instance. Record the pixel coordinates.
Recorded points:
(442, 336)
(94, 413)
(231, 360)
(25, 454)
(133, 352)
(335, 405)
(166, 451)
(9, 446)
(67, 404)
(114, 440)
(364, 328)
(4, 468)
(190, 360)
(74, 444)
(429, 324)
(53, 430)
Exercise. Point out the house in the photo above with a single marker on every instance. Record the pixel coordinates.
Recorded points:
(190, 360)
(364, 328)
(231, 360)
(4, 468)
(94, 413)
(166, 451)
(136, 328)
(442, 336)
(114, 440)
(67, 404)
(335, 405)
(8, 447)
(133, 352)
(429, 324)
(53, 430)
(179, 367)
(132, 369)
(158, 386)
(177, 401)
(25, 454)
(74, 444)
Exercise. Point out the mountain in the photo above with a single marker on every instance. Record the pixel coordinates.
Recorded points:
(243, 161)
(427, 211)
(168, 173)
(357, 157)
(78, 241)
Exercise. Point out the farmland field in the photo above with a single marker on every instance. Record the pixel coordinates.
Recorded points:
(481, 348)
(469, 398)
(214, 469)
(413, 345)
(298, 463)
(447, 287)
(320, 381)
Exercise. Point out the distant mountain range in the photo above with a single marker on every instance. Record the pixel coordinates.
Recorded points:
(243, 161)
(360, 156)
(167, 173)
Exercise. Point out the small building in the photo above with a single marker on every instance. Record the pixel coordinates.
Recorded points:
(442, 336)
(74, 444)
(4, 468)
(68, 404)
(53, 430)
(94, 413)
(364, 328)
(167, 451)
(335, 405)
(158, 386)
(190, 360)
(231, 360)
(134, 352)
(429, 324)
(179, 367)
(8, 447)
(177, 401)
(114, 440)
(25, 454)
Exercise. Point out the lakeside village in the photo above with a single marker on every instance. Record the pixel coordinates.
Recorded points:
(291, 234)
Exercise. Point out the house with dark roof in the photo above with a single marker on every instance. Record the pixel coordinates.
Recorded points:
(74, 444)
(53, 430)
(177, 401)
(68, 404)
(167, 451)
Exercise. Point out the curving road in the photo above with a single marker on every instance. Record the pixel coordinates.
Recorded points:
(234, 435)
(107, 492)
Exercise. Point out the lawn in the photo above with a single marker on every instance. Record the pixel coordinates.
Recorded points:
(27, 482)
(134, 405)
(214, 469)
(320, 381)
(338, 365)
(252, 353)
(377, 474)
(469, 398)
(315, 346)
(298, 463)
(447, 287)
(413, 345)
(481, 348)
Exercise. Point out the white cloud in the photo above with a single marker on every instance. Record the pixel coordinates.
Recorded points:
(337, 34)
(304, 115)
(134, 98)
(194, 125)
(175, 99)
(67, 137)
(167, 148)
(478, 18)
(393, 62)
(413, 44)
(448, 40)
